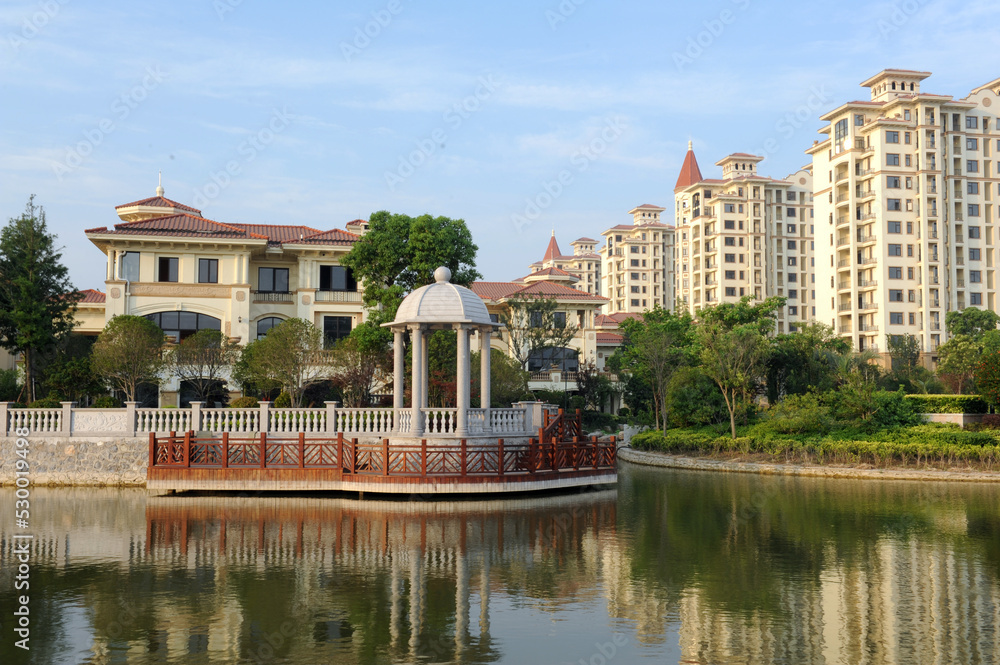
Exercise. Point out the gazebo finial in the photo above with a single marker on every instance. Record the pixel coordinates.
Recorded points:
(442, 275)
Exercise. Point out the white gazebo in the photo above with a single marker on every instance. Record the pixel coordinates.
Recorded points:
(439, 306)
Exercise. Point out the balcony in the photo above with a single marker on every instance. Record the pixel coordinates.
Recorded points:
(866, 239)
(338, 296)
(273, 296)
(843, 286)
(844, 263)
(845, 329)
(843, 241)
(842, 197)
(867, 283)
(935, 325)
(867, 327)
(867, 261)
(866, 173)
(960, 261)
(867, 306)
(842, 219)
(865, 217)
(960, 283)
(845, 308)
(867, 194)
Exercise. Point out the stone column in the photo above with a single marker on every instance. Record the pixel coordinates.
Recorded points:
(463, 376)
(67, 418)
(398, 369)
(3, 418)
(131, 426)
(331, 417)
(425, 355)
(417, 384)
(484, 372)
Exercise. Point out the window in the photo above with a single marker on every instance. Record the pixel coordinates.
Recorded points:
(336, 278)
(635, 302)
(973, 210)
(891, 136)
(972, 144)
(792, 261)
(896, 295)
(895, 273)
(559, 319)
(840, 134)
(892, 159)
(208, 271)
(168, 269)
(272, 280)
(909, 273)
(912, 319)
(635, 289)
(906, 114)
(729, 242)
(894, 204)
(335, 328)
(975, 276)
(906, 138)
(634, 263)
(729, 225)
(971, 122)
(791, 244)
(973, 231)
(858, 119)
(266, 324)
(896, 318)
(730, 290)
(790, 228)
(635, 275)
(789, 196)
(909, 228)
(181, 325)
(909, 250)
(975, 298)
(892, 181)
(908, 163)
(972, 166)
(793, 277)
(730, 274)
(729, 207)
(634, 249)
(973, 188)
(974, 254)
(793, 294)
(895, 227)
(730, 258)
(895, 250)
(129, 267)
(791, 213)
(793, 310)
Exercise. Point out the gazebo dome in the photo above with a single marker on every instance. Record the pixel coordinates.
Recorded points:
(442, 303)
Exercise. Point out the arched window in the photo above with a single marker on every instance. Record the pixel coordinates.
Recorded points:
(266, 324)
(181, 325)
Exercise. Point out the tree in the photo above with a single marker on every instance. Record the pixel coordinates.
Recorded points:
(203, 360)
(971, 321)
(357, 369)
(37, 300)
(400, 253)
(129, 351)
(735, 359)
(290, 355)
(904, 352)
(653, 349)
(508, 382)
(857, 382)
(958, 359)
(594, 386)
(988, 377)
(534, 324)
(798, 361)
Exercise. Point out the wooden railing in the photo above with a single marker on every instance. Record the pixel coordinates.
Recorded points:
(347, 457)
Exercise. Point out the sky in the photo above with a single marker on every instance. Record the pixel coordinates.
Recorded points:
(521, 118)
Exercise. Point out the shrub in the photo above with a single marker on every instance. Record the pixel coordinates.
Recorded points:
(284, 401)
(948, 403)
(599, 420)
(694, 399)
(797, 414)
(892, 410)
(45, 403)
(106, 402)
(244, 403)
(9, 388)
(991, 421)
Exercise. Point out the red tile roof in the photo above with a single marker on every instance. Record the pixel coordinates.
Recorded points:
(179, 225)
(690, 173)
(501, 290)
(548, 271)
(552, 251)
(608, 338)
(495, 290)
(278, 232)
(650, 206)
(331, 237)
(91, 296)
(158, 202)
(584, 240)
(612, 320)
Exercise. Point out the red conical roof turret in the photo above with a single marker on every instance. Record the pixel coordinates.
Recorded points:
(690, 173)
(553, 249)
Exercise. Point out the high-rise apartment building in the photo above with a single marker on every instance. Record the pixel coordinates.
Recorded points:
(745, 235)
(638, 271)
(584, 264)
(905, 190)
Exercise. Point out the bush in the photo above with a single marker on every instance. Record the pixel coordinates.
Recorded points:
(106, 402)
(46, 403)
(599, 420)
(244, 403)
(694, 399)
(284, 401)
(892, 410)
(9, 388)
(797, 414)
(948, 403)
(991, 421)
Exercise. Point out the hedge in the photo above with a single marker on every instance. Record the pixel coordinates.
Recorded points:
(949, 403)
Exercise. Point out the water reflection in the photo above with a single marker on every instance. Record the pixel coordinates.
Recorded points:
(670, 567)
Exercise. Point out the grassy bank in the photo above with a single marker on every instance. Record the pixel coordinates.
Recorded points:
(922, 446)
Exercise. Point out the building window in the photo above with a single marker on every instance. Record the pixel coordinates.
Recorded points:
(791, 244)
(792, 261)
(975, 298)
(974, 254)
(729, 225)
(896, 318)
(892, 181)
(973, 231)
(973, 187)
(729, 242)
(895, 227)
(272, 280)
(730, 258)
(793, 294)
(129, 267)
(975, 276)
(895, 250)
(971, 122)
(896, 295)
(168, 269)
(729, 207)
(972, 165)
(266, 324)
(181, 325)
(335, 328)
(909, 162)
(635, 302)
(858, 119)
(730, 274)
(973, 210)
(634, 263)
(892, 159)
(891, 136)
(208, 271)
(336, 278)
(894, 204)
(972, 144)
(559, 319)
(730, 290)
(895, 273)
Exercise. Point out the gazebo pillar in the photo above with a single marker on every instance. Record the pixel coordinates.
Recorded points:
(462, 381)
(484, 373)
(424, 390)
(398, 378)
(417, 383)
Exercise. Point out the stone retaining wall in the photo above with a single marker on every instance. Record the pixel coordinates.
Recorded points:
(94, 461)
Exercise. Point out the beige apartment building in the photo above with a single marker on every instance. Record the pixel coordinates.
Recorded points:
(584, 264)
(905, 185)
(638, 271)
(745, 235)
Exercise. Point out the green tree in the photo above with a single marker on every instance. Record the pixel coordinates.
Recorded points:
(857, 382)
(508, 382)
(129, 351)
(761, 315)
(799, 361)
(358, 369)
(37, 300)
(593, 386)
(400, 253)
(988, 377)
(958, 359)
(904, 354)
(290, 356)
(971, 321)
(735, 359)
(534, 324)
(203, 360)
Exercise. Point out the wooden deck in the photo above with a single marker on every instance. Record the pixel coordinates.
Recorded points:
(309, 463)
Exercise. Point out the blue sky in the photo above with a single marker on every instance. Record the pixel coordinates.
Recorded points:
(518, 117)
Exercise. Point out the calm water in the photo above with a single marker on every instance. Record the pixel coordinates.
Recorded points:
(671, 567)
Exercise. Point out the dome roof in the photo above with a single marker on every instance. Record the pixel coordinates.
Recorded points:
(442, 303)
